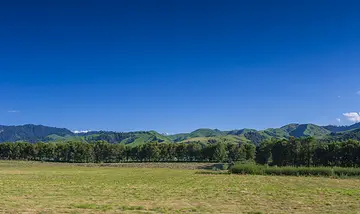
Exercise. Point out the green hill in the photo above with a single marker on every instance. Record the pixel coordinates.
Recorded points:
(134, 138)
(31, 133)
(36, 133)
(233, 136)
(275, 133)
(304, 130)
(256, 137)
(249, 135)
(195, 134)
(233, 139)
(297, 130)
(335, 129)
(343, 136)
(240, 132)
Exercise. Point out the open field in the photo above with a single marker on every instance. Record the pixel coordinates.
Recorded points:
(29, 187)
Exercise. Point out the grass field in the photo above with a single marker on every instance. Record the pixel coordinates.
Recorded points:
(28, 187)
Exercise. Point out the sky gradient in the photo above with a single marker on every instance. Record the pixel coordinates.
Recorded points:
(175, 66)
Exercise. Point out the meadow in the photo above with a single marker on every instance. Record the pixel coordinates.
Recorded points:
(35, 187)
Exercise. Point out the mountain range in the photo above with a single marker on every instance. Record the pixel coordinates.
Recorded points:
(36, 133)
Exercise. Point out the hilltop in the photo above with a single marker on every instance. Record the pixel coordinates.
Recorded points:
(35, 133)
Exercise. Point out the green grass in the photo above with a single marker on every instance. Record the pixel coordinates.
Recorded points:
(31, 187)
(253, 169)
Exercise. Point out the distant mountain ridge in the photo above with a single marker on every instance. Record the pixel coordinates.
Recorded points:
(35, 133)
(333, 128)
(30, 132)
(252, 135)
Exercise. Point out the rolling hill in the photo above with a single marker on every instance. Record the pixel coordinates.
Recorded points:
(31, 133)
(134, 138)
(352, 134)
(335, 129)
(252, 135)
(304, 130)
(196, 134)
(35, 133)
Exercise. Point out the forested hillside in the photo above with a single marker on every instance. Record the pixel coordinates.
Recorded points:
(39, 133)
(31, 133)
(342, 136)
(333, 128)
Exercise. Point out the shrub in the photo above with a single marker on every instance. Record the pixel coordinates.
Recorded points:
(225, 166)
(344, 172)
(253, 169)
(299, 171)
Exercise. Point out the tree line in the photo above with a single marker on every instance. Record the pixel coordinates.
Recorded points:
(309, 152)
(102, 151)
(286, 152)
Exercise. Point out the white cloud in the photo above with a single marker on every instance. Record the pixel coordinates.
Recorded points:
(13, 111)
(353, 116)
(338, 119)
(81, 132)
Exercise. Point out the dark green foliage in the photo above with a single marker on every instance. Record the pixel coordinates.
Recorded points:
(309, 152)
(220, 153)
(249, 151)
(102, 151)
(264, 152)
(297, 152)
(194, 151)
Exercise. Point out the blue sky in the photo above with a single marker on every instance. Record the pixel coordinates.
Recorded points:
(174, 66)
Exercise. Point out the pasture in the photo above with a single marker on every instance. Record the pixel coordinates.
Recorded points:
(34, 187)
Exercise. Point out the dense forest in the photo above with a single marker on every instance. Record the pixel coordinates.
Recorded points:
(286, 152)
(101, 151)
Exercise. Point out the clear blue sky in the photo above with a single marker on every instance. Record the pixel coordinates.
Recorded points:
(174, 66)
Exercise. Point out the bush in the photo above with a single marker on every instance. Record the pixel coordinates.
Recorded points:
(344, 172)
(225, 166)
(299, 171)
(253, 169)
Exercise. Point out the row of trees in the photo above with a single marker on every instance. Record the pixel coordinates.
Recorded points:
(309, 152)
(290, 152)
(102, 151)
